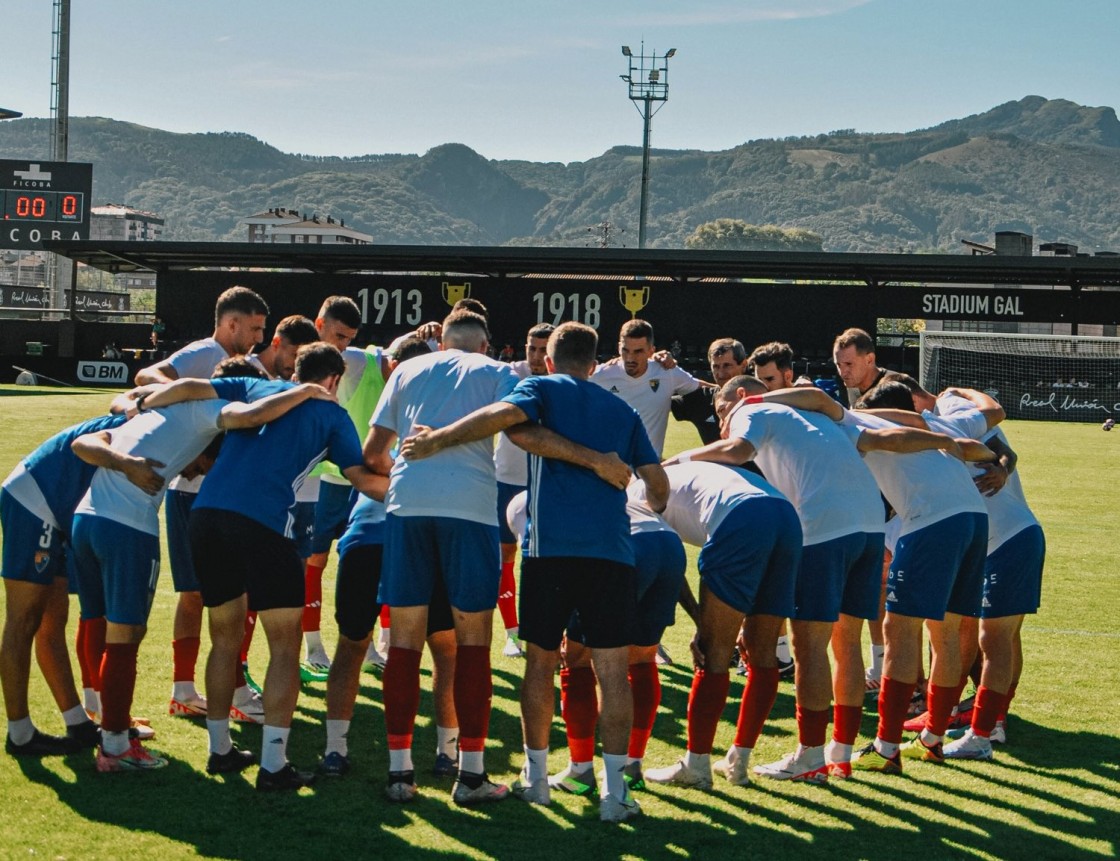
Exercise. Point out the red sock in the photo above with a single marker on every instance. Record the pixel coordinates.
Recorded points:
(645, 688)
(941, 699)
(94, 650)
(845, 723)
(118, 682)
(474, 689)
(894, 701)
(986, 711)
(384, 617)
(705, 705)
(312, 597)
(758, 698)
(247, 638)
(185, 654)
(1007, 703)
(812, 726)
(400, 691)
(507, 596)
(579, 706)
(80, 638)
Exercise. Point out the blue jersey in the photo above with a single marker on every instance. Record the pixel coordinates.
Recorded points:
(572, 512)
(247, 389)
(259, 471)
(60, 478)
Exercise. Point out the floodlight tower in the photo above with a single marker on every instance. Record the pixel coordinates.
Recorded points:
(648, 80)
(60, 278)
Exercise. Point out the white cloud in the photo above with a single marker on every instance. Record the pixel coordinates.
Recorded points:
(746, 11)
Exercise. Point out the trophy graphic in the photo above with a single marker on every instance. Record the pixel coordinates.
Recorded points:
(633, 299)
(452, 293)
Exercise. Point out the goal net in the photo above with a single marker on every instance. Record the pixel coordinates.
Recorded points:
(1050, 377)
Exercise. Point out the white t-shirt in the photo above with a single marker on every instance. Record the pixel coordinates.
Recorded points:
(702, 494)
(642, 517)
(198, 359)
(813, 463)
(651, 394)
(511, 464)
(924, 487)
(436, 390)
(174, 436)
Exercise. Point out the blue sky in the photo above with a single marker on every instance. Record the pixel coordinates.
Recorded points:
(540, 81)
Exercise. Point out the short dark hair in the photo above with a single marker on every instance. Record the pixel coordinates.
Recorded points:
(469, 304)
(899, 377)
(410, 348)
(236, 366)
(343, 309)
(743, 381)
(857, 338)
(316, 362)
(541, 330)
(573, 346)
(636, 329)
(722, 345)
(463, 327)
(297, 330)
(777, 352)
(239, 300)
(891, 394)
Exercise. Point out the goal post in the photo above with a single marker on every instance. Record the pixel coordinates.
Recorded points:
(1046, 377)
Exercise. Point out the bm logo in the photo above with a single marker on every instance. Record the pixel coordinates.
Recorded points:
(103, 373)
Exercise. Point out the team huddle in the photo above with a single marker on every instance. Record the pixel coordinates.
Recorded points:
(904, 512)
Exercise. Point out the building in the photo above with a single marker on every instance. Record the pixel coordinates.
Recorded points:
(115, 222)
(282, 225)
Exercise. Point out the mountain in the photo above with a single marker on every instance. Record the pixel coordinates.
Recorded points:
(1046, 167)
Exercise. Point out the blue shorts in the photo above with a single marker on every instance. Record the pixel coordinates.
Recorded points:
(118, 568)
(940, 569)
(33, 550)
(751, 562)
(420, 549)
(1013, 575)
(506, 492)
(177, 514)
(844, 575)
(303, 527)
(332, 511)
(659, 561)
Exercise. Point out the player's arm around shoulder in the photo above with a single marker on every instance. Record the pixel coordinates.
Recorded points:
(804, 398)
(657, 486)
(248, 415)
(372, 484)
(904, 440)
(97, 449)
(482, 423)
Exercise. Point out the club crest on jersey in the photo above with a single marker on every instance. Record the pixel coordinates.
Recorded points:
(42, 560)
(655, 384)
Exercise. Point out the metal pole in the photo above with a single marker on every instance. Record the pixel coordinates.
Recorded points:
(644, 206)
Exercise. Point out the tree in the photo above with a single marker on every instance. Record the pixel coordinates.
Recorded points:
(732, 234)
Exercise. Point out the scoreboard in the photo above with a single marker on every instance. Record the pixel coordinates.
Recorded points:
(43, 200)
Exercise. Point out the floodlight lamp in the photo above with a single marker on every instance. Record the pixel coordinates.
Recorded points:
(626, 52)
(672, 51)
(654, 76)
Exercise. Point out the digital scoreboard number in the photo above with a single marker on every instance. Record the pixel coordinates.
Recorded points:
(43, 201)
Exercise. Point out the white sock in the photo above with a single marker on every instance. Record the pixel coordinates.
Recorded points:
(579, 767)
(837, 752)
(886, 748)
(740, 754)
(472, 761)
(928, 738)
(701, 762)
(400, 760)
(114, 743)
(21, 731)
(383, 641)
(75, 716)
(336, 736)
(91, 700)
(242, 696)
(447, 740)
(537, 761)
(877, 660)
(274, 748)
(314, 642)
(220, 741)
(183, 691)
(783, 650)
(613, 766)
(512, 632)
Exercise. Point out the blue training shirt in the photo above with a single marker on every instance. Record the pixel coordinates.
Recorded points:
(572, 512)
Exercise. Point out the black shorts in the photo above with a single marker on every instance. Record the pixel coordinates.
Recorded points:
(356, 607)
(235, 555)
(603, 592)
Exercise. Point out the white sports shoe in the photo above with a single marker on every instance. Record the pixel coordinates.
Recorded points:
(680, 774)
(968, 746)
(532, 791)
(248, 709)
(612, 809)
(188, 707)
(513, 648)
(999, 733)
(799, 765)
(734, 768)
(373, 659)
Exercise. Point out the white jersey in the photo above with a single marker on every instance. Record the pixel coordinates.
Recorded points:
(813, 463)
(651, 394)
(702, 494)
(255, 360)
(923, 487)
(642, 517)
(511, 464)
(198, 359)
(174, 436)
